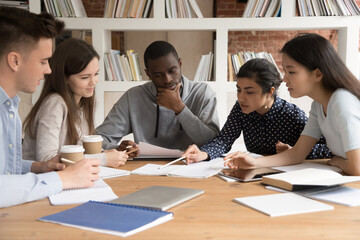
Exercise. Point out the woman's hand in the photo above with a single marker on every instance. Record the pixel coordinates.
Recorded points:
(240, 160)
(193, 154)
(115, 158)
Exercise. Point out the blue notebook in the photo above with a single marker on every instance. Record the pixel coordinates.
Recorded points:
(115, 219)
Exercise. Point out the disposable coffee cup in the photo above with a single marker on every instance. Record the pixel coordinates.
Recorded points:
(74, 153)
(92, 144)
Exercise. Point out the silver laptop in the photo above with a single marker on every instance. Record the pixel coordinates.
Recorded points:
(158, 197)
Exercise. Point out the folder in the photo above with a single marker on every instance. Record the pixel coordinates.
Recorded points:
(115, 219)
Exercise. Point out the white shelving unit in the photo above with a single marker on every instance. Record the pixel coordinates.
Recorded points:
(347, 26)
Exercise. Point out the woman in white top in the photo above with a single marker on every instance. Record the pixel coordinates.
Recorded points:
(313, 68)
(64, 112)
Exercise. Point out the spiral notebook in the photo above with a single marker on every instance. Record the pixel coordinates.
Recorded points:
(99, 192)
(115, 219)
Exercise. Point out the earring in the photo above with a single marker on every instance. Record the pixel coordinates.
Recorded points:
(266, 107)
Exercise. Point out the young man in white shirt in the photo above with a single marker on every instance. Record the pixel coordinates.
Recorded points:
(25, 47)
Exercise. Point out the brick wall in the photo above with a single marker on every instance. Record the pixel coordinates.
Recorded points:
(269, 41)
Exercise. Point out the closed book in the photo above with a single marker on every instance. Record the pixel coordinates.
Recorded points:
(307, 178)
(159, 197)
(282, 204)
(115, 219)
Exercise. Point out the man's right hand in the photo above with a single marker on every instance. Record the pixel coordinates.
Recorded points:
(132, 147)
(82, 174)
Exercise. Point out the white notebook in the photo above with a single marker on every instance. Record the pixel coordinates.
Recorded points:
(107, 172)
(99, 192)
(148, 150)
(341, 195)
(283, 204)
(307, 165)
(195, 170)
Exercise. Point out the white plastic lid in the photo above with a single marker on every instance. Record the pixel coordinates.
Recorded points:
(71, 149)
(92, 138)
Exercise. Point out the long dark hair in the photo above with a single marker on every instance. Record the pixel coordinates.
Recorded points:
(263, 72)
(315, 52)
(70, 57)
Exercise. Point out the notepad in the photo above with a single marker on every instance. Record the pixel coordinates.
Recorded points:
(115, 219)
(107, 172)
(194, 170)
(159, 197)
(99, 192)
(283, 204)
(341, 195)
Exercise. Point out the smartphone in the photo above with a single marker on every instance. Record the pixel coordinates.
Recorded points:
(249, 175)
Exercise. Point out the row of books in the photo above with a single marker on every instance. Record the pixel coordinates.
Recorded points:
(182, 9)
(327, 8)
(204, 70)
(235, 61)
(262, 8)
(120, 67)
(19, 4)
(65, 8)
(128, 8)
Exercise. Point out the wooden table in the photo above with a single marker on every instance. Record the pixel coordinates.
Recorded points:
(212, 215)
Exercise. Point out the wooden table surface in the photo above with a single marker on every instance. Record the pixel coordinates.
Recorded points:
(212, 215)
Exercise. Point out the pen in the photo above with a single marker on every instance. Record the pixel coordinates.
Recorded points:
(226, 160)
(67, 161)
(176, 160)
(218, 163)
(131, 151)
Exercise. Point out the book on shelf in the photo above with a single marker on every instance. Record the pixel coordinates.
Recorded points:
(204, 69)
(327, 8)
(18, 4)
(307, 178)
(109, 218)
(65, 8)
(120, 67)
(182, 9)
(128, 8)
(239, 59)
(262, 8)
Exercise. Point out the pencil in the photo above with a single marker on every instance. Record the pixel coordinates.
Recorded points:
(176, 160)
(67, 161)
(129, 146)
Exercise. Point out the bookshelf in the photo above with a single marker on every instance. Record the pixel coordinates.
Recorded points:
(347, 26)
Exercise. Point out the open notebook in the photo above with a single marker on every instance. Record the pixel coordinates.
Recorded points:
(100, 192)
(203, 169)
(115, 219)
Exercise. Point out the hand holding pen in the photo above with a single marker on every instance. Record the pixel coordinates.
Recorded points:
(239, 160)
(131, 148)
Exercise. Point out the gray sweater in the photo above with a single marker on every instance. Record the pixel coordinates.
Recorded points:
(136, 112)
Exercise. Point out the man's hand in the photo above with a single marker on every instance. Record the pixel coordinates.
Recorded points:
(50, 165)
(128, 146)
(82, 174)
(170, 99)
